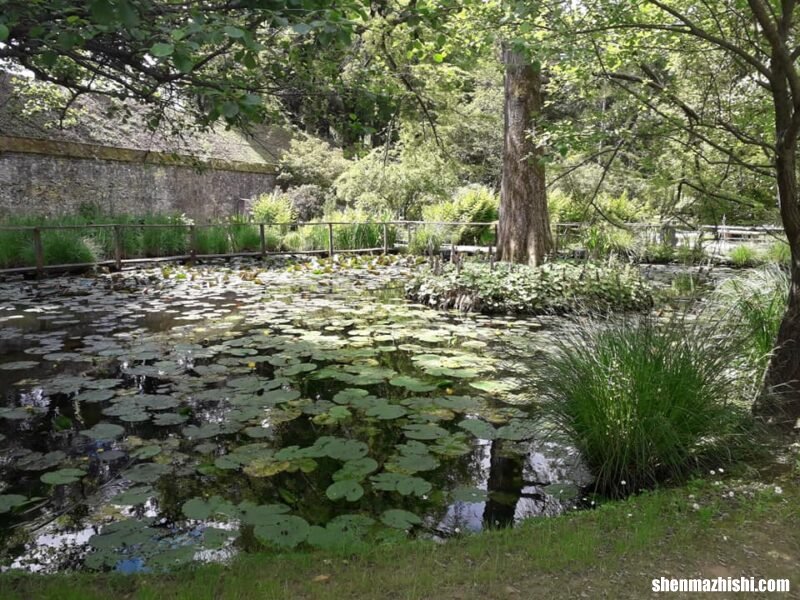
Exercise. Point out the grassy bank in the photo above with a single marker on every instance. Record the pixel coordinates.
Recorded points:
(705, 529)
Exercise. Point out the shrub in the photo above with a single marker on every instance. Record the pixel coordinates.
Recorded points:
(311, 161)
(212, 239)
(779, 253)
(551, 288)
(607, 240)
(307, 201)
(643, 403)
(754, 306)
(273, 209)
(744, 256)
(658, 253)
(564, 208)
(425, 240)
(62, 247)
(470, 204)
(162, 241)
(690, 254)
(245, 237)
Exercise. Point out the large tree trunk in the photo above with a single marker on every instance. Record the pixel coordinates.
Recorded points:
(524, 227)
(780, 400)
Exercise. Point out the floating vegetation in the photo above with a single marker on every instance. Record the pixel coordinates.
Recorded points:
(155, 417)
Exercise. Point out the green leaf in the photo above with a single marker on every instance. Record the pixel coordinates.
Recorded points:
(348, 489)
(104, 431)
(233, 32)
(162, 49)
(400, 519)
(11, 501)
(62, 476)
(286, 532)
(4, 32)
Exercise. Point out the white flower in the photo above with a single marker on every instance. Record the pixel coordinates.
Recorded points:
(713, 472)
(778, 490)
(696, 506)
(623, 482)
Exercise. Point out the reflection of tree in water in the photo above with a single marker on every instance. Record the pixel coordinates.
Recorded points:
(504, 486)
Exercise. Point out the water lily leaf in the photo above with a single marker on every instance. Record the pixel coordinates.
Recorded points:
(493, 387)
(335, 415)
(95, 395)
(386, 412)
(349, 489)
(200, 509)
(266, 467)
(146, 472)
(205, 431)
(146, 452)
(400, 519)
(11, 501)
(341, 449)
(297, 369)
(134, 496)
(346, 396)
(257, 432)
(469, 494)
(19, 365)
(169, 419)
(104, 431)
(480, 429)
(562, 490)
(62, 476)
(404, 484)
(262, 514)
(279, 396)
(356, 469)
(424, 431)
(517, 430)
(452, 445)
(36, 461)
(413, 463)
(287, 532)
(412, 384)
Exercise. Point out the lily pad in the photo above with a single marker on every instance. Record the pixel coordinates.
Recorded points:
(400, 519)
(347, 489)
(104, 431)
(286, 532)
(412, 384)
(11, 501)
(146, 472)
(62, 476)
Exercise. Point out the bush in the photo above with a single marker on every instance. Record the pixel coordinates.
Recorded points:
(754, 305)
(779, 253)
(470, 204)
(307, 201)
(244, 236)
(643, 403)
(658, 253)
(744, 256)
(690, 254)
(212, 239)
(160, 241)
(62, 247)
(273, 209)
(606, 240)
(311, 161)
(425, 240)
(551, 288)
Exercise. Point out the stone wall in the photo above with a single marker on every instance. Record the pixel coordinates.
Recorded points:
(34, 181)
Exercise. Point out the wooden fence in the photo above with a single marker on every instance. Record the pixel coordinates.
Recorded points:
(562, 233)
(119, 231)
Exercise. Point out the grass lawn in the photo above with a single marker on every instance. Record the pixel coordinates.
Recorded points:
(613, 551)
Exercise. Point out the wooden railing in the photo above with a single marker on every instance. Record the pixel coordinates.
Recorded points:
(119, 230)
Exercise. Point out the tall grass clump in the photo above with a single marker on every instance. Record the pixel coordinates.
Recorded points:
(160, 241)
(644, 403)
(245, 237)
(744, 256)
(272, 209)
(62, 247)
(212, 239)
(779, 253)
(754, 306)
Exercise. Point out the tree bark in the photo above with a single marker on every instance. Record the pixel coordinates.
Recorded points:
(524, 225)
(780, 400)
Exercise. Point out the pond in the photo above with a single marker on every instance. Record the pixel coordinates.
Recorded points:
(159, 416)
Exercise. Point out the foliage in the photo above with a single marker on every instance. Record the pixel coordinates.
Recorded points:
(212, 239)
(425, 240)
(310, 161)
(779, 253)
(644, 403)
(398, 181)
(552, 288)
(744, 256)
(606, 240)
(244, 236)
(308, 201)
(272, 209)
(470, 204)
(754, 304)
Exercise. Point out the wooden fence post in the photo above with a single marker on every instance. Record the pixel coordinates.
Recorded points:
(192, 244)
(118, 246)
(38, 251)
(263, 240)
(385, 239)
(330, 240)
